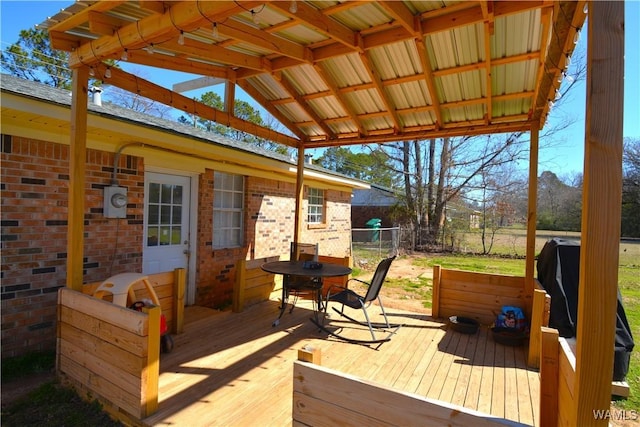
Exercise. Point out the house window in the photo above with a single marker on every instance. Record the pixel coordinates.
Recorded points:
(228, 210)
(316, 206)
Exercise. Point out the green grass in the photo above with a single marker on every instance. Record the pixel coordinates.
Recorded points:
(478, 263)
(52, 404)
(33, 363)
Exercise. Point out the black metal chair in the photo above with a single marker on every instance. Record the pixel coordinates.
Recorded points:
(349, 298)
(294, 286)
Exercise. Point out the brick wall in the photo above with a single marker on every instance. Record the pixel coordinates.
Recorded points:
(269, 229)
(34, 188)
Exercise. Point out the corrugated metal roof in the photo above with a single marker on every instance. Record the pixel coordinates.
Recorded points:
(349, 72)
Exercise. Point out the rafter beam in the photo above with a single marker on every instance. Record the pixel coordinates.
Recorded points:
(142, 87)
(291, 90)
(82, 16)
(487, 13)
(389, 105)
(340, 97)
(270, 106)
(175, 63)
(315, 19)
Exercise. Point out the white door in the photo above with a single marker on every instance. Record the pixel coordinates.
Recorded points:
(166, 223)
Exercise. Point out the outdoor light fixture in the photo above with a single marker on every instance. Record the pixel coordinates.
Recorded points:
(150, 49)
(125, 55)
(215, 30)
(181, 38)
(107, 73)
(293, 8)
(92, 72)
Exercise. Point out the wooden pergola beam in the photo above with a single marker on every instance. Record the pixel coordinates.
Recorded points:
(154, 29)
(428, 132)
(140, 86)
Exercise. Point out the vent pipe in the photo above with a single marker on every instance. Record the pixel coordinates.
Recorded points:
(97, 95)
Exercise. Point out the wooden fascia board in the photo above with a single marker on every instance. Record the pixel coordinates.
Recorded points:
(157, 93)
(106, 134)
(154, 29)
(560, 44)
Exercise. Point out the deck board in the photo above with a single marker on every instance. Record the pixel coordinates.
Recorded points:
(236, 369)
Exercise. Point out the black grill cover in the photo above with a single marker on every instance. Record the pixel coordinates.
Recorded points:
(559, 273)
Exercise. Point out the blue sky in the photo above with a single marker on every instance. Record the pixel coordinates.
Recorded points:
(565, 157)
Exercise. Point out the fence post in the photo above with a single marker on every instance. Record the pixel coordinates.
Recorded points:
(435, 294)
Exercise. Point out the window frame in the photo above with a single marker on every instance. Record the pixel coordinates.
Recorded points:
(317, 194)
(228, 208)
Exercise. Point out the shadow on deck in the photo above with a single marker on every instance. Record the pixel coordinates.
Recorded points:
(236, 369)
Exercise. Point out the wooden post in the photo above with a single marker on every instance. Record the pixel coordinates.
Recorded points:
(297, 233)
(77, 166)
(549, 368)
(601, 208)
(529, 284)
(435, 294)
(179, 286)
(237, 304)
(537, 321)
(151, 373)
(310, 354)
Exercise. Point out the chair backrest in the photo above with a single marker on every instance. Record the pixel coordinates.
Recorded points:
(304, 251)
(378, 279)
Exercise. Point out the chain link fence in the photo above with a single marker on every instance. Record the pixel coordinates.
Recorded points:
(370, 245)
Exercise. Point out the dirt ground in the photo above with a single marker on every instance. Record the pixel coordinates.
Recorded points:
(394, 297)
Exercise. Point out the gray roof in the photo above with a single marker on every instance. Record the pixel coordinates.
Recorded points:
(46, 93)
(375, 196)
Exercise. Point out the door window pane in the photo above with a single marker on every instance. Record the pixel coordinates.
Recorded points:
(164, 214)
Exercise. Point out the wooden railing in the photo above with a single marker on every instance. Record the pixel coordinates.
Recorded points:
(481, 296)
(557, 380)
(112, 353)
(253, 284)
(170, 289)
(476, 295)
(109, 353)
(323, 396)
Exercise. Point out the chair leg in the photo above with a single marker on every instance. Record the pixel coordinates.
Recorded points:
(366, 316)
(384, 314)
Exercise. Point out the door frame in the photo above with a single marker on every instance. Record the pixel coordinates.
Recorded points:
(190, 291)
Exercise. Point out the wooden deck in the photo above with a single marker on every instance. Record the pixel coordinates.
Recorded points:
(236, 369)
